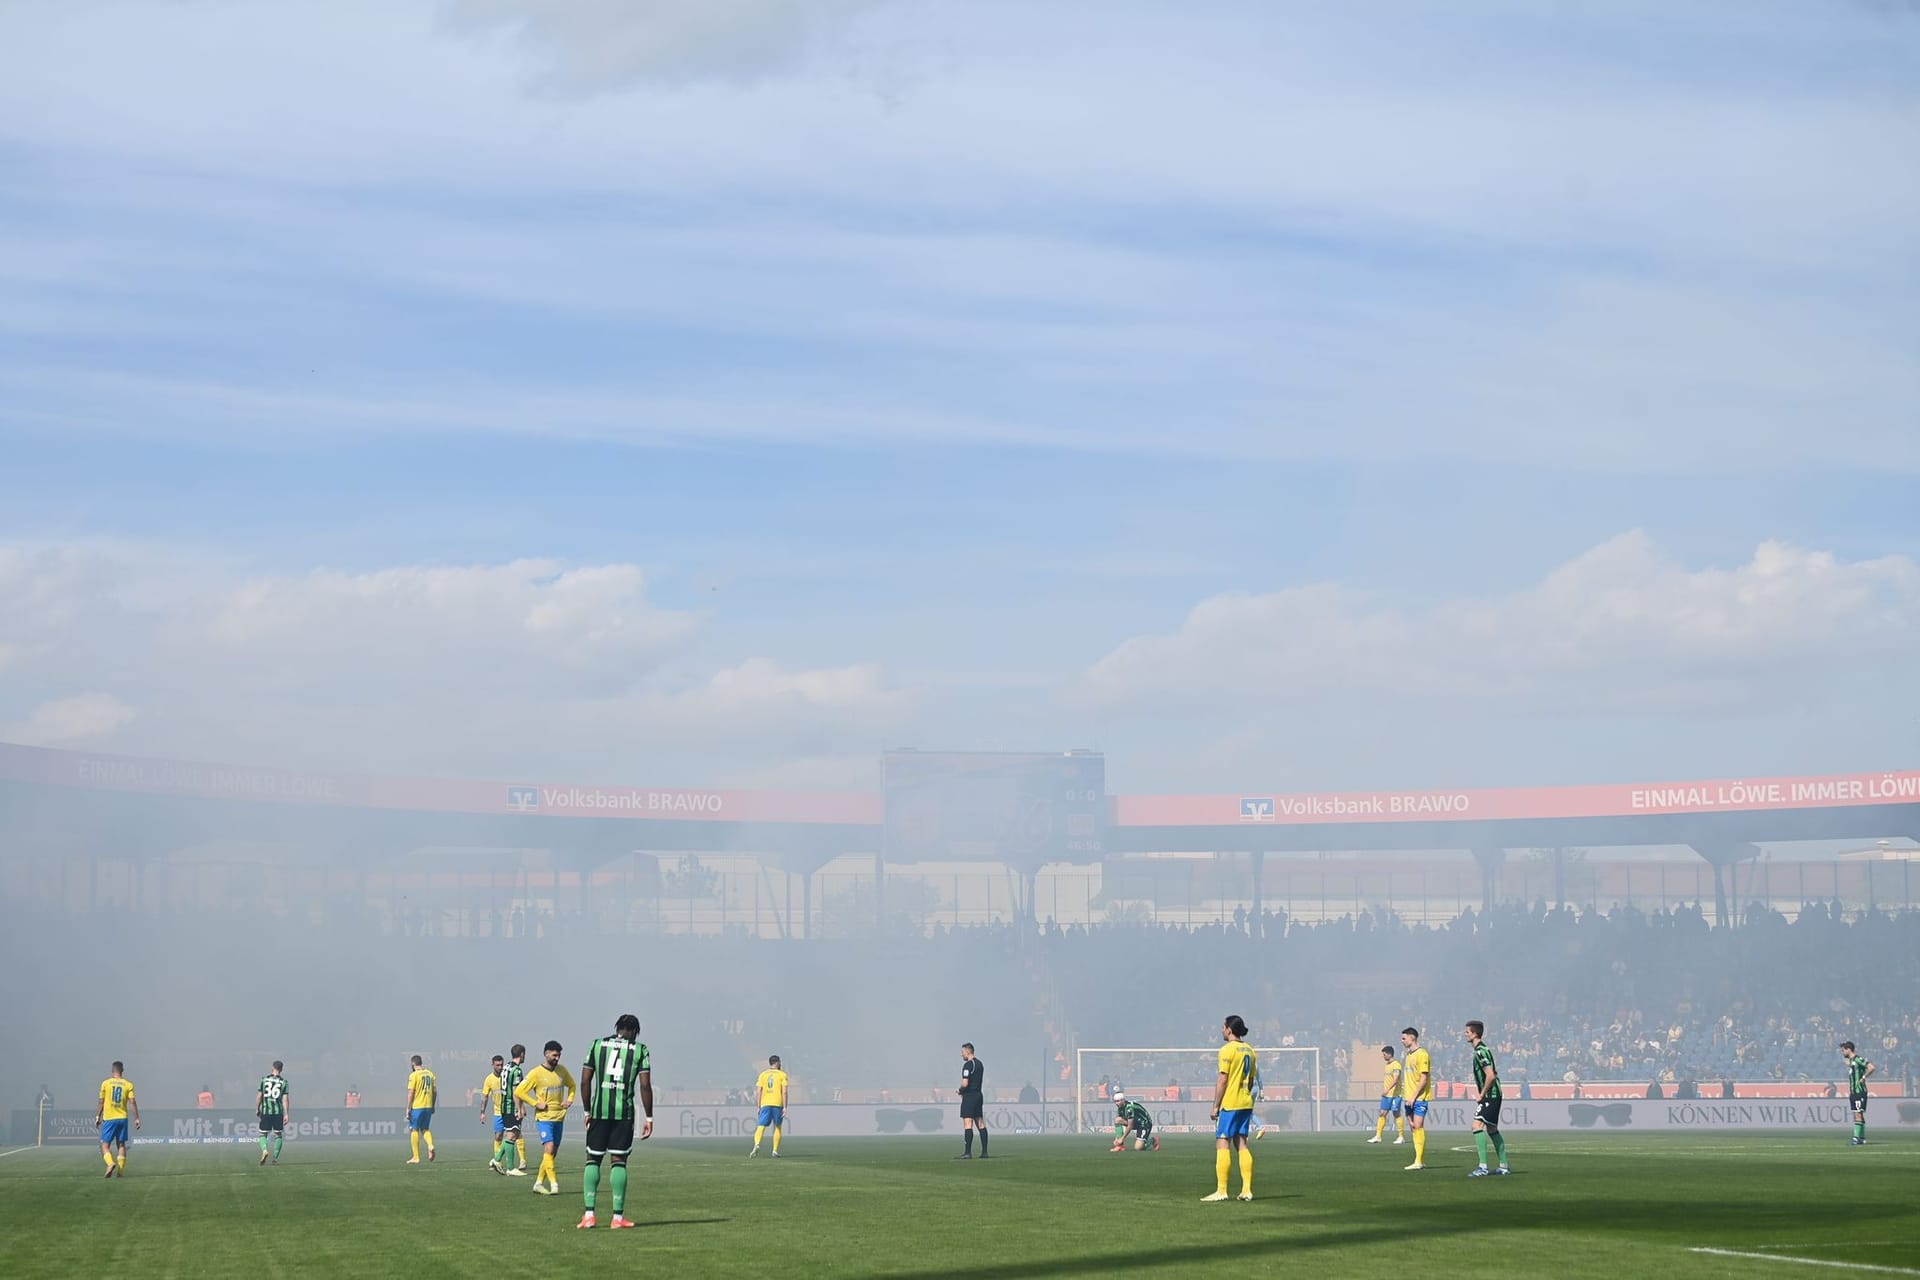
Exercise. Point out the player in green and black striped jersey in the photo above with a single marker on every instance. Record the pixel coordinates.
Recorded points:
(1130, 1117)
(617, 1067)
(1487, 1096)
(506, 1117)
(271, 1104)
(1858, 1069)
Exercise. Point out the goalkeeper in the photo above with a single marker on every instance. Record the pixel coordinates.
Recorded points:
(1132, 1118)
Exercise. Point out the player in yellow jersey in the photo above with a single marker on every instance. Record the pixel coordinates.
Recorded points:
(490, 1104)
(548, 1092)
(1417, 1088)
(1233, 1108)
(772, 1087)
(1390, 1100)
(116, 1100)
(423, 1092)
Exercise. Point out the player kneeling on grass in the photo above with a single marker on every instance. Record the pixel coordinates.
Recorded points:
(1132, 1118)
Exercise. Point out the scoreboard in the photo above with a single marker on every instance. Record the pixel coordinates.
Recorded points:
(1024, 808)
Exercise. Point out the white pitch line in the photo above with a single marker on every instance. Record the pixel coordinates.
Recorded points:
(1810, 1262)
(16, 1151)
(1834, 1244)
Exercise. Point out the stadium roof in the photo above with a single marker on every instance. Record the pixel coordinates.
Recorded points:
(77, 795)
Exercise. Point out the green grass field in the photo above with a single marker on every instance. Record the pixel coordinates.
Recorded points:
(1578, 1205)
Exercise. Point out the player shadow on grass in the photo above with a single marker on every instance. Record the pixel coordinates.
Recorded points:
(1458, 1217)
(679, 1222)
(1236, 1250)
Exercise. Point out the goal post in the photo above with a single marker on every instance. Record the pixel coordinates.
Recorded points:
(1176, 1085)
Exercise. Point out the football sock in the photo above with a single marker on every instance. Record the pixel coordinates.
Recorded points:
(966, 1137)
(619, 1189)
(1399, 1126)
(500, 1151)
(277, 1140)
(1380, 1125)
(1499, 1148)
(1246, 1169)
(548, 1171)
(108, 1157)
(758, 1133)
(413, 1140)
(1119, 1132)
(1480, 1144)
(1222, 1164)
(983, 1140)
(120, 1162)
(263, 1144)
(520, 1146)
(426, 1136)
(590, 1184)
(1420, 1145)
(776, 1141)
(1860, 1130)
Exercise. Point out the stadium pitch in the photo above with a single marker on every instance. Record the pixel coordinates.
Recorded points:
(1576, 1205)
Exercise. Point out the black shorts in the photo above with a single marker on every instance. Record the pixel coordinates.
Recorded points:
(1857, 1102)
(973, 1106)
(1488, 1113)
(1143, 1128)
(273, 1124)
(610, 1138)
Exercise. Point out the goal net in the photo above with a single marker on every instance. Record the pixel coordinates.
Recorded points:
(1176, 1087)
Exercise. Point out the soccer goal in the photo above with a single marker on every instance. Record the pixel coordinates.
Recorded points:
(1176, 1085)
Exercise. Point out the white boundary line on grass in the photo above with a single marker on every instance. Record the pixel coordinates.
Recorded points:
(1809, 1262)
(16, 1151)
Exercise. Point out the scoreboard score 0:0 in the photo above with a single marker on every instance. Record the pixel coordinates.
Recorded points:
(991, 806)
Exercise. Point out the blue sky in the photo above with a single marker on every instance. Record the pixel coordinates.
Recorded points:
(721, 392)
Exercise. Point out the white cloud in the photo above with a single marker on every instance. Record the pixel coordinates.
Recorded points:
(588, 46)
(1623, 627)
(66, 722)
(533, 666)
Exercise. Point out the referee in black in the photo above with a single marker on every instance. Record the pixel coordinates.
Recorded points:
(973, 1101)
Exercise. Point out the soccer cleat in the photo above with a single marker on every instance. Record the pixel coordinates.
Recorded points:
(1116, 1149)
(1214, 1198)
(514, 1173)
(109, 1171)
(1375, 1138)
(620, 1223)
(756, 1151)
(586, 1221)
(276, 1159)
(263, 1155)
(494, 1165)
(542, 1189)
(1156, 1142)
(1503, 1170)
(1480, 1172)
(415, 1160)
(967, 1156)
(774, 1154)
(429, 1154)
(1244, 1195)
(1416, 1165)
(1399, 1140)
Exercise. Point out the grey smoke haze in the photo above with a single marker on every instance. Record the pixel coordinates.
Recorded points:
(1277, 397)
